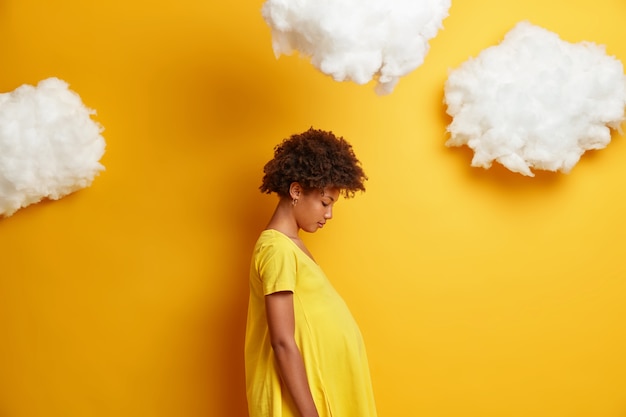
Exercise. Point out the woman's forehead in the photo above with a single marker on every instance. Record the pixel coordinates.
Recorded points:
(330, 192)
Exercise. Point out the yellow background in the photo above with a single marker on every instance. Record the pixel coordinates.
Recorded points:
(480, 293)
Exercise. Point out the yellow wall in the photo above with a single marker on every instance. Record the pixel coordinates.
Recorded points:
(479, 293)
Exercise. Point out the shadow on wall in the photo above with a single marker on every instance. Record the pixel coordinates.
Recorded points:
(248, 215)
(232, 103)
(222, 113)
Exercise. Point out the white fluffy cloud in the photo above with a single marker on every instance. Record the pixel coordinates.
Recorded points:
(49, 145)
(357, 40)
(535, 101)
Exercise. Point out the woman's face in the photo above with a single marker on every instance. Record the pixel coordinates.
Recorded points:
(314, 208)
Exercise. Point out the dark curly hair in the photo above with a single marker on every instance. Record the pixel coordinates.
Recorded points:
(315, 159)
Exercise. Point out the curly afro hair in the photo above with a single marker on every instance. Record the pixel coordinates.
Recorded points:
(315, 159)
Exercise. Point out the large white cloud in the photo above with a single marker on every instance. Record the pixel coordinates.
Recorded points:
(357, 40)
(535, 101)
(49, 145)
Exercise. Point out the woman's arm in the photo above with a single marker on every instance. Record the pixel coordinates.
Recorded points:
(281, 324)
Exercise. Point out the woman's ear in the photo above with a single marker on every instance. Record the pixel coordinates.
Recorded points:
(295, 190)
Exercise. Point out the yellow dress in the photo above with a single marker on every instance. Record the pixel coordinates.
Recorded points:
(326, 333)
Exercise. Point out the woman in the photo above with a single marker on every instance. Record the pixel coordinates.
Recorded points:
(304, 352)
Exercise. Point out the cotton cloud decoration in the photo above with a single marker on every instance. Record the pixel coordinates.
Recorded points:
(49, 145)
(357, 40)
(535, 101)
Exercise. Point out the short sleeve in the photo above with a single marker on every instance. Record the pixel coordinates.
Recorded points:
(276, 265)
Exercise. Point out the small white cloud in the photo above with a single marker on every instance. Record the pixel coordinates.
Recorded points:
(357, 40)
(49, 145)
(535, 101)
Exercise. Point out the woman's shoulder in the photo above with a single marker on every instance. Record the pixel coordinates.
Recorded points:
(273, 246)
(272, 238)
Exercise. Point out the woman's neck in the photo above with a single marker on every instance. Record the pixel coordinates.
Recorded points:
(283, 220)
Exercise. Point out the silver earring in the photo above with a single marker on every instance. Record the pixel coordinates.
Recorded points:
(294, 202)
